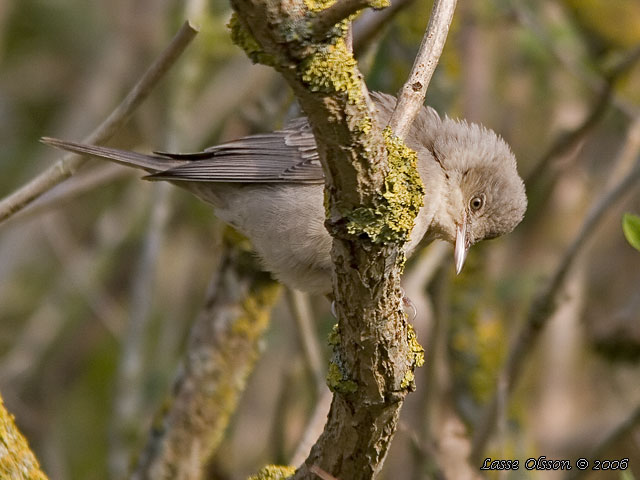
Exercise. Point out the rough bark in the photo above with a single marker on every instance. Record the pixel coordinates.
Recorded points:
(375, 350)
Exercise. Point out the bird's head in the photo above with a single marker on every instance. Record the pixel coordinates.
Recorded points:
(485, 196)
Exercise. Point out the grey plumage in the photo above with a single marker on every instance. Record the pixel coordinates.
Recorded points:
(270, 187)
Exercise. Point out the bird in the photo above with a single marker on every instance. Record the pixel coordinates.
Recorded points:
(269, 187)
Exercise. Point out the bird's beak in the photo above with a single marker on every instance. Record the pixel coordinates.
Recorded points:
(462, 245)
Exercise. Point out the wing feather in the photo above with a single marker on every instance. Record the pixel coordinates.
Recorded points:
(287, 155)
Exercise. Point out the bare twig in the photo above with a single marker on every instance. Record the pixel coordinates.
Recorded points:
(567, 142)
(321, 473)
(66, 167)
(313, 428)
(301, 310)
(593, 81)
(368, 25)
(544, 304)
(325, 19)
(129, 401)
(412, 94)
(87, 180)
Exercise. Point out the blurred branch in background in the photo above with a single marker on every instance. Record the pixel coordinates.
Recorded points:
(570, 141)
(617, 434)
(128, 401)
(301, 311)
(546, 301)
(594, 81)
(66, 167)
(223, 346)
(369, 24)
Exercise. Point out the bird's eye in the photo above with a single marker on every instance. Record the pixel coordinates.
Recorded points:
(477, 203)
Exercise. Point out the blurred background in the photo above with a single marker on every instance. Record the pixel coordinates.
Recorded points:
(101, 279)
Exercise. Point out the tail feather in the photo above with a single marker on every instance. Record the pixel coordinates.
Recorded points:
(150, 163)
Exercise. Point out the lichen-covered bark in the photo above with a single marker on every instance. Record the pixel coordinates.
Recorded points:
(17, 461)
(223, 347)
(373, 193)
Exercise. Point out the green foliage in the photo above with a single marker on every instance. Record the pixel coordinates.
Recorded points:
(631, 229)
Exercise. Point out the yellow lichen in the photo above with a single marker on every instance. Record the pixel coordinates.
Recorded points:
(331, 68)
(416, 359)
(408, 379)
(318, 5)
(394, 217)
(334, 336)
(273, 472)
(16, 459)
(417, 352)
(245, 40)
(338, 381)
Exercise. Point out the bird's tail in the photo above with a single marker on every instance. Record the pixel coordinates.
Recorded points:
(150, 163)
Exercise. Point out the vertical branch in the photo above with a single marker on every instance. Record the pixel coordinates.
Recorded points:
(375, 351)
(128, 401)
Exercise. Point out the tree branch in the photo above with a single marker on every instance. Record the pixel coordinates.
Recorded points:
(16, 458)
(412, 94)
(222, 348)
(69, 164)
(326, 19)
(374, 348)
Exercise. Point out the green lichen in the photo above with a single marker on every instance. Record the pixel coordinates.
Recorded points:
(245, 40)
(394, 217)
(338, 382)
(330, 69)
(273, 472)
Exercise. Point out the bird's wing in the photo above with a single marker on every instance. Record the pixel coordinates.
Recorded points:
(287, 155)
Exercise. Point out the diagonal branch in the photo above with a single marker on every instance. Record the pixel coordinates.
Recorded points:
(412, 94)
(66, 167)
(326, 19)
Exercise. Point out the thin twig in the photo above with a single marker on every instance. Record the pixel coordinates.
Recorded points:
(301, 311)
(545, 302)
(616, 434)
(567, 142)
(327, 18)
(369, 24)
(88, 180)
(412, 94)
(594, 82)
(313, 429)
(69, 164)
(129, 398)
